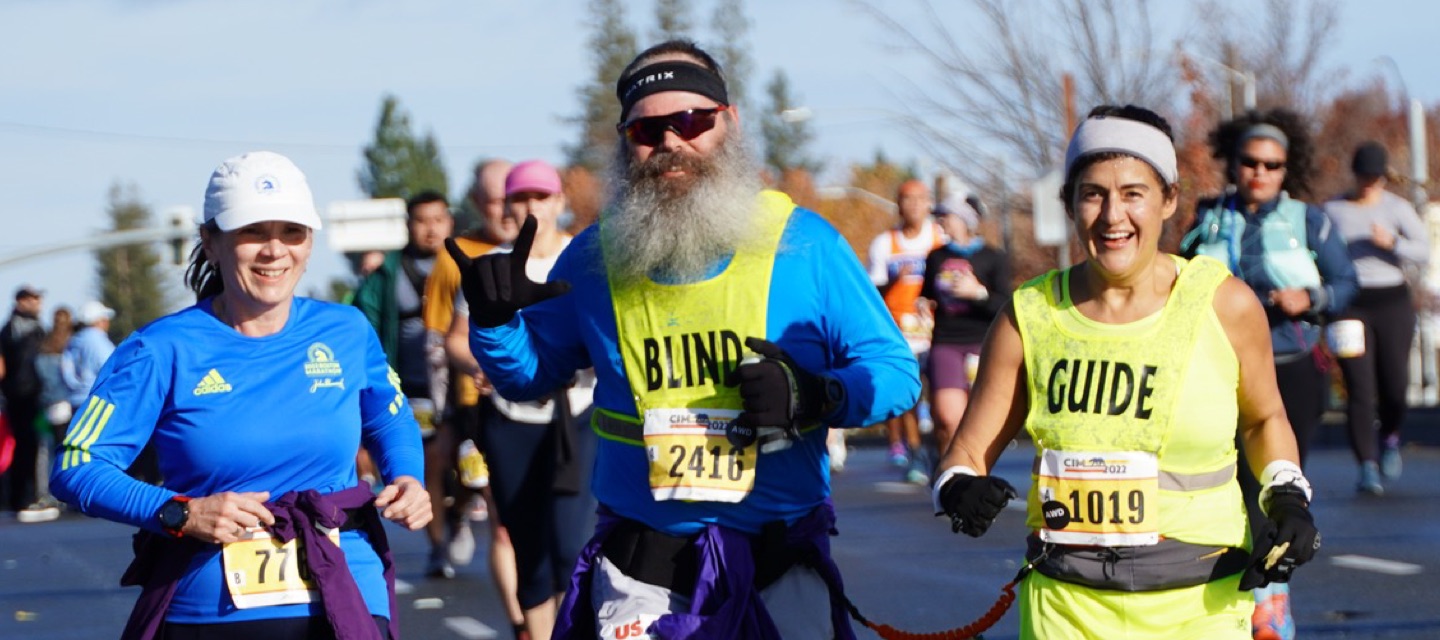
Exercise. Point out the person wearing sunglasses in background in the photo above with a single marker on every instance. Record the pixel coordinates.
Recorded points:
(728, 329)
(1290, 254)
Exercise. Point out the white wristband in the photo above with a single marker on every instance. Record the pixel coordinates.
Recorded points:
(1282, 472)
(942, 479)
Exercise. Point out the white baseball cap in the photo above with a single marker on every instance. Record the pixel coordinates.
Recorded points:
(94, 311)
(259, 186)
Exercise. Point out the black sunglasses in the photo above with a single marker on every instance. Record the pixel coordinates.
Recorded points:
(1270, 165)
(687, 124)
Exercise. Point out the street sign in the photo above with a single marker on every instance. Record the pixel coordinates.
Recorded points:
(356, 226)
(1051, 226)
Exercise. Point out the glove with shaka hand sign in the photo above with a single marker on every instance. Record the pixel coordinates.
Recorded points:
(496, 286)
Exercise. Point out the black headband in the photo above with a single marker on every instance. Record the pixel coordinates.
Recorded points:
(671, 75)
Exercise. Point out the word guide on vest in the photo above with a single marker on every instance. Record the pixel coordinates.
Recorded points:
(1100, 387)
(687, 359)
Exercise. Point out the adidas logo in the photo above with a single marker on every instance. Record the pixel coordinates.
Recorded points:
(212, 383)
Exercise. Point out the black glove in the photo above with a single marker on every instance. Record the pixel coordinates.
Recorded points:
(775, 392)
(1288, 522)
(496, 286)
(972, 502)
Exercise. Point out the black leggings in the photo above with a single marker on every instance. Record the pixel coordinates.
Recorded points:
(1303, 389)
(548, 528)
(1304, 386)
(1376, 382)
(311, 628)
(22, 411)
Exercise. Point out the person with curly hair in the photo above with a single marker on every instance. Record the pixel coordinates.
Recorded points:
(1288, 252)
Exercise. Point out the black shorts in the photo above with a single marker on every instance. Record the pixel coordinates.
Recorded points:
(547, 528)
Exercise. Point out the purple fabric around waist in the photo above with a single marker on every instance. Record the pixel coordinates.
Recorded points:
(725, 603)
(160, 562)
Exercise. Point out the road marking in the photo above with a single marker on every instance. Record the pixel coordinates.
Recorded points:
(402, 587)
(1366, 563)
(424, 604)
(896, 487)
(470, 628)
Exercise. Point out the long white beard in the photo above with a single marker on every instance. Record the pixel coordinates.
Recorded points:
(681, 228)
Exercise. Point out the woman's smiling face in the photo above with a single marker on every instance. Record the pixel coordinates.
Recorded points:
(261, 262)
(1119, 212)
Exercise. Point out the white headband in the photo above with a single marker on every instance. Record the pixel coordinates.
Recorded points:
(1101, 134)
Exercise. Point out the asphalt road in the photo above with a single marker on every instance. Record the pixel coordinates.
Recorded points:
(1375, 577)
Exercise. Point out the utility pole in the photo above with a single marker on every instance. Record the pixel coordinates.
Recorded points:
(1246, 80)
(1419, 173)
(1071, 121)
(1007, 228)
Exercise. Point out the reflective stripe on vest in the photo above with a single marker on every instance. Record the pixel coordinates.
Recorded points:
(619, 428)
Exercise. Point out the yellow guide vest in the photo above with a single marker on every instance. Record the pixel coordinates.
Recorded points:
(1119, 394)
(678, 343)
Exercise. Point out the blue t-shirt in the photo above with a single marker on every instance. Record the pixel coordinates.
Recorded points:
(227, 412)
(87, 352)
(823, 311)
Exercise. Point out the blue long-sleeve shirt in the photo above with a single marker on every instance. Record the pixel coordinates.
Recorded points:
(1338, 282)
(823, 311)
(228, 412)
(87, 352)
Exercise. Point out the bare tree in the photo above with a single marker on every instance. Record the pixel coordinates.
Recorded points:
(998, 100)
(1284, 50)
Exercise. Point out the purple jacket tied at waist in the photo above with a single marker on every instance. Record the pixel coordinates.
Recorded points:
(725, 604)
(160, 562)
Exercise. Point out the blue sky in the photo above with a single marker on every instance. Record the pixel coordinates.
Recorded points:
(157, 93)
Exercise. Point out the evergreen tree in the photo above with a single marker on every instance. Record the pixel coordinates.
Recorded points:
(131, 277)
(672, 20)
(732, 49)
(612, 46)
(397, 164)
(882, 176)
(786, 135)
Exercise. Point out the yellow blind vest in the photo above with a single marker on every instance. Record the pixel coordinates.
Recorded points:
(1166, 385)
(678, 343)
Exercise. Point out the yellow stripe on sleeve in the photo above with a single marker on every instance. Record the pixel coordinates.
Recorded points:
(80, 429)
(79, 440)
(79, 422)
(99, 428)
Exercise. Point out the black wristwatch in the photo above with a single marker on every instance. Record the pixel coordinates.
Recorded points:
(173, 515)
